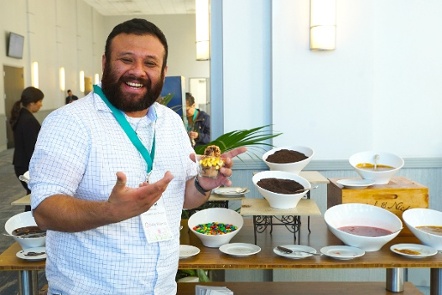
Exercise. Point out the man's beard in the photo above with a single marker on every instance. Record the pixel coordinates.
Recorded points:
(127, 102)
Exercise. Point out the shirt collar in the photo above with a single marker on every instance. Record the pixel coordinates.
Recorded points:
(101, 106)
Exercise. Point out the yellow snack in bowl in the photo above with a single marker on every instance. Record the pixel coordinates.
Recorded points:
(210, 162)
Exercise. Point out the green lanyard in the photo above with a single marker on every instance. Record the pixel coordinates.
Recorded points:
(190, 127)
(121, 119)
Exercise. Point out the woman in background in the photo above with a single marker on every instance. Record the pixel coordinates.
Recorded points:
(198, 123)
(25, 128)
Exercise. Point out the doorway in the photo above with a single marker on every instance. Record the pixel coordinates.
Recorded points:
(14, 84)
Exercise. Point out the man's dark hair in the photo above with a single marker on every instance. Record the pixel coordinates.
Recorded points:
(137, 26)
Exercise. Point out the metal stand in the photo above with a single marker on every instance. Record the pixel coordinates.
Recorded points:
(28, 282)
(395, 279)
(291, 222)
(435, 281)
(262, 222)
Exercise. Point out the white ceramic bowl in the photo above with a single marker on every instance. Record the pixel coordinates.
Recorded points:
(422, 216)
(294, 167)
(277, 200)
(221, 215)
(21, 220)
(377, 176)
(355, 214)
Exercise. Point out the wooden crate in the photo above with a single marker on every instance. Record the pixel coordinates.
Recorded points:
(397, 196)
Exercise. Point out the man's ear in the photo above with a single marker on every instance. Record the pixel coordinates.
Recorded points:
(165, 73)
(103, 62)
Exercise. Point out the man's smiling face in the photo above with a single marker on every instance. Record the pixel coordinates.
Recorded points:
(134, 75)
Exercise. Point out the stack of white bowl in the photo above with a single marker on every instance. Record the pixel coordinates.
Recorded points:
(284, 171)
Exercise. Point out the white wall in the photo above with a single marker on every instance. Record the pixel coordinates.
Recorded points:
(180, 34)
(12, 19)
(57, 34)
(379, 89)
(246, 64)
(72, 35)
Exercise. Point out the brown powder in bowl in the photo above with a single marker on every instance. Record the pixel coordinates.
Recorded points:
(280, 186)
(286, 156)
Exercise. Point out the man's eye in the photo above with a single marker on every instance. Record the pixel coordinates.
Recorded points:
(126, 60)
(150, 63)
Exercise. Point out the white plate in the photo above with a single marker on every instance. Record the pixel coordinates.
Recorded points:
(342, 252)
(187, 251)
(240, 249)
(295, 255)
(424, 251)
(355, 182)
(230, 191)
(22, 254)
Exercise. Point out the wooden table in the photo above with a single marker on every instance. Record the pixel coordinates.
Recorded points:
(300, 288)
(28, 270)
(23, 201)
(212, 258)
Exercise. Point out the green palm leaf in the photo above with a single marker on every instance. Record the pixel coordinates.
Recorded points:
(250, 137)
(164, 100)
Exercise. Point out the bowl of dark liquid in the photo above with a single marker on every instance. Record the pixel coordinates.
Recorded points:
(23, 228)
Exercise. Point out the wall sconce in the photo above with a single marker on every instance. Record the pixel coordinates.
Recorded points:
(82, 81)
(202, 29)
(34, 74)
(322, 24)
(62, 78)
(96, 79)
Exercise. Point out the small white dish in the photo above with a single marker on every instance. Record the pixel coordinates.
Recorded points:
(27, 254)
(355, 183)
(342, 252)
(231, 191)
(240, 249)
(295, 254)
(187, 251)
(413, 250)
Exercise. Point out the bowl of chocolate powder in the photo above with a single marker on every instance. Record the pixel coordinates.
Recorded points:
(290, 159)
(283, 190)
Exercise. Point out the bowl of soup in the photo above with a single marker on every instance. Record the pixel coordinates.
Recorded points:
(364, 226)
(288, 158)
(23, 228)
(282, 190)
(378, 167)
(215, 226)
(426, 225)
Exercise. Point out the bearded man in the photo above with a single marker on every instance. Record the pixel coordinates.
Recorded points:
(111, 174)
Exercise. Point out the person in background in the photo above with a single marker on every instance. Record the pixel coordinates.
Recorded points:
(112, 173)
(71, 97)
(25, 128)
(198, 123)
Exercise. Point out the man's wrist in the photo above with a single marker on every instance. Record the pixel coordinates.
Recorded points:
(199, 188)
